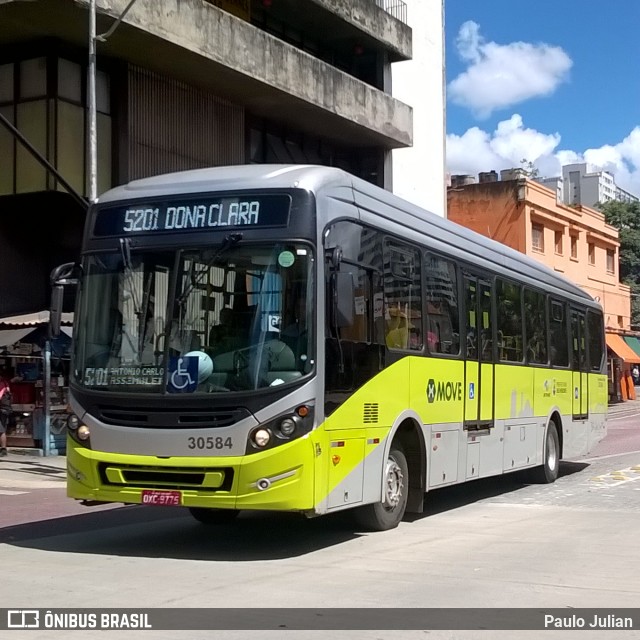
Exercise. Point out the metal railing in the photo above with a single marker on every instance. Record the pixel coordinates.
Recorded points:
(395, 8)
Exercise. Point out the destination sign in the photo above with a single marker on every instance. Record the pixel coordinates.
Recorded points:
(193, 213)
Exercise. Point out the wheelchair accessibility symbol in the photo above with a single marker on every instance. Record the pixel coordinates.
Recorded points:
(183, 374)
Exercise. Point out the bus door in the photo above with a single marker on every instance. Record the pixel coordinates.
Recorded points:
(579, 365)
(478, 390)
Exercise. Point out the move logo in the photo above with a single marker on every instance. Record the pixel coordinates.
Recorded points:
(443, 391)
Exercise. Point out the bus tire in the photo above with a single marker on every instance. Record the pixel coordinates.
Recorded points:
(213, 516)
(548, 471)
(385, 515)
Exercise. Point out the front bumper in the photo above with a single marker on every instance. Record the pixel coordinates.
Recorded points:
(277, 479)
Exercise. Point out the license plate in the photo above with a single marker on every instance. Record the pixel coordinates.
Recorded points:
(162, 498)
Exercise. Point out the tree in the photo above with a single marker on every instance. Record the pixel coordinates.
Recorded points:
(530, 168)
(625, 216)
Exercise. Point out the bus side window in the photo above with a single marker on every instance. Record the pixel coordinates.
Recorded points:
(558, 334)
(535, 318)
(403, 292)
(358, 330)
(596, 347)
(471, 293)
(443, 310)
(509, 320)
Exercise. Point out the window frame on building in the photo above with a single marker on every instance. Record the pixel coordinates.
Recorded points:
(537, 237)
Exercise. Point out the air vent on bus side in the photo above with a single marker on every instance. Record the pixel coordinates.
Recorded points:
(370, 415)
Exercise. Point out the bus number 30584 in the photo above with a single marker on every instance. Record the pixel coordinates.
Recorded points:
(210, 443)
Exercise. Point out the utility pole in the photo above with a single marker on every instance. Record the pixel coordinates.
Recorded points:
(91, 98)
(93, 127)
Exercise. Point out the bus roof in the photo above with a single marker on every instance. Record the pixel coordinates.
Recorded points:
(334, 182)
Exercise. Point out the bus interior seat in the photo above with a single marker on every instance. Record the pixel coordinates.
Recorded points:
(222, 367)
(282, 362)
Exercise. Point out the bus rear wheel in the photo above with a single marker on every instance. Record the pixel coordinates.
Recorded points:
(548, 472)
(387, 514)
(213, 516)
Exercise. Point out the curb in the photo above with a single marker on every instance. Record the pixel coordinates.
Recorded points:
(25, 451)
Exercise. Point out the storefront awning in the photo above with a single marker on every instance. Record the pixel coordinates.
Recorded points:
(11, 336)
(634, 343)
(621, 348)
(34, 319)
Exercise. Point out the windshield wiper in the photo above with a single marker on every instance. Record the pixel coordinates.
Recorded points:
(125, 251)
(229, 241)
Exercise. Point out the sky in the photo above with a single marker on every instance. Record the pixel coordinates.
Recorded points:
(551, 82)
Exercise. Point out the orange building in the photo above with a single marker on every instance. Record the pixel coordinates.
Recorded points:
(574, 240)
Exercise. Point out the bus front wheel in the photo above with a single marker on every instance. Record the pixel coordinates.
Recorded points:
(548, 472)
(387, 514)
(213, 516)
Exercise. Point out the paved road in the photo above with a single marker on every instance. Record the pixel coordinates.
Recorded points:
(32, 488)
(490, 543)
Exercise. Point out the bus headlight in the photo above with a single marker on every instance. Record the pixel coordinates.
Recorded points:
(73, 422)
(83, 432)
(261, 437)
(287, 427)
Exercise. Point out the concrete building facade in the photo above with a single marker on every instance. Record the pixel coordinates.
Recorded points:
(184, 84)
(419, 170)
(587, 185)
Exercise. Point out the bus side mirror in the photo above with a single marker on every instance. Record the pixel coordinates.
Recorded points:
(55, 313)
(62, 275)
(344, 294)
(65, 274)
(334, 257)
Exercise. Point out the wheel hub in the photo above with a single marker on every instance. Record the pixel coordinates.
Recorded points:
(552, 453)
(394, 483)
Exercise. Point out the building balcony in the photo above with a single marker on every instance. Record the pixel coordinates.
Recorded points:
(203, 45)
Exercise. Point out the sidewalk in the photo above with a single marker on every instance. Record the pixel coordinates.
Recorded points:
(33, 456)
(625, 405)
(20, 471)
(31, 452)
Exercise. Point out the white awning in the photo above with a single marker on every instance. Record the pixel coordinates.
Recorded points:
(11, 336)
(34, 319)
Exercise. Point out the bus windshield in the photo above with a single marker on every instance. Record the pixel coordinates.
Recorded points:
(236, 317)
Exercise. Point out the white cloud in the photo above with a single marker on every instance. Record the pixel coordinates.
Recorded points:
(500, 76)
(477, 150)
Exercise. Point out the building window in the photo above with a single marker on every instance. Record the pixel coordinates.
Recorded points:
(49, 108)
(592, 253)
(574, 247)
(611, 257)
(537, 237)
(558, 242)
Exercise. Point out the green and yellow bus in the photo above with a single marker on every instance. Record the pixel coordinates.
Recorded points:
(294, 338)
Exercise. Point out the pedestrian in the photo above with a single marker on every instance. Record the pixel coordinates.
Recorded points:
(5, 410)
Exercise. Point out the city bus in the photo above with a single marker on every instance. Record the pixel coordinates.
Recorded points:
(293, 338)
